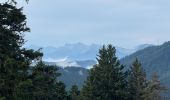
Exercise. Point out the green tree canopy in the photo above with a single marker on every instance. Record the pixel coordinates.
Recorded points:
(137, 81)
(45, 83)
(74, 93)
(106, 80)
(18, 79)
(154, 89)
(14, 60)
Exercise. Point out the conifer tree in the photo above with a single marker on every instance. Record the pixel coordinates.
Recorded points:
(14, 60)
(74, 93)
(45, 83)
(137, 81)
(106, 80)
(18, 80)
(154, 89)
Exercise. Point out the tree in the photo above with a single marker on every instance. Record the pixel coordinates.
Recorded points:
(14, 61)
(106, 80)
(18, 80)
(45, 83)
(14, 1)
(154, 89)
(74, 93)
(137, 81)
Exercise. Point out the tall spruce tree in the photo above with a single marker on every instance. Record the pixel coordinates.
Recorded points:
(106, 80)
(137, 81)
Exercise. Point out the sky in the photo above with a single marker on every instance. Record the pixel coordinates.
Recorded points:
(125, 23)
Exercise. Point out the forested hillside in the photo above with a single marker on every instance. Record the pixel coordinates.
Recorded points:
(73, 76)
(155, 59)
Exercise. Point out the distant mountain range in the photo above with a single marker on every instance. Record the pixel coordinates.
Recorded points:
(80, 51)
(74, 60)
(79, 54)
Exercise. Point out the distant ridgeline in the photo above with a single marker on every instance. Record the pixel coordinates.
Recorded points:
(80, 51)
(154, 59)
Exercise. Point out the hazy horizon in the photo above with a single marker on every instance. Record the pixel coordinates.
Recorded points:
(64, 44)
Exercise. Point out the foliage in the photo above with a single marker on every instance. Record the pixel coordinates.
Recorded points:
(74, 93)
(18, 80)
(14, 60)
(106, 81)
(142, 89)
(154, 89)
(137, 81)
(45, 84)
(14, 1)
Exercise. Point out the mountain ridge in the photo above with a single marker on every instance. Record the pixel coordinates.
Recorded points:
(80, 51)
(154, 59)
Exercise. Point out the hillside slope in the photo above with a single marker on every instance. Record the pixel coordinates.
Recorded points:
(73, 75)
(155, 59)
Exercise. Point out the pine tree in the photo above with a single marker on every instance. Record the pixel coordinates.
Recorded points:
(106, 81)
(74, 93)
(18, 80)
(154, 89)
(137, 81)
(14, 60)
(15, 81)
(45, 83)
(15, 2)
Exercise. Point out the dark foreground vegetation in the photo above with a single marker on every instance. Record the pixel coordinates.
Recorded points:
(108, 80)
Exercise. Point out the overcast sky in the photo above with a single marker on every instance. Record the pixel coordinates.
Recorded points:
(125, 23)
